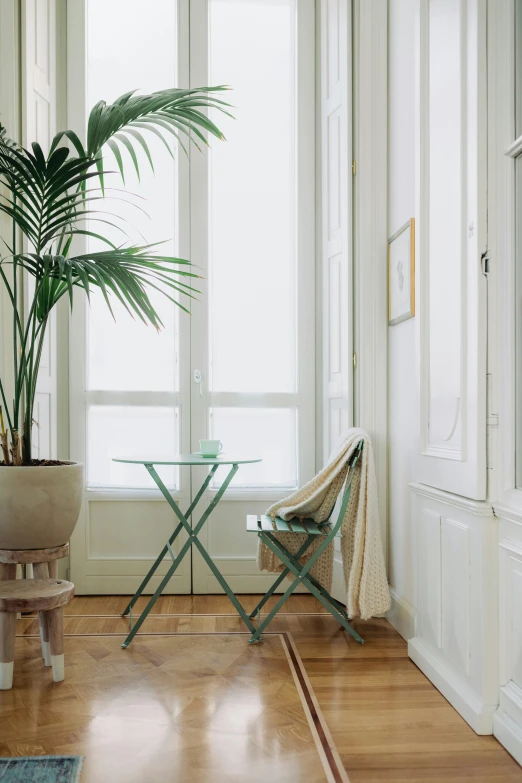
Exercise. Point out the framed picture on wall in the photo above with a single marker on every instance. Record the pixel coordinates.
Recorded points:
(401, 274)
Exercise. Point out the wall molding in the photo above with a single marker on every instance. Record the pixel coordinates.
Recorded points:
(401, 615)
(476, 507)
(370, 231)
(507, 512)
(460, 695)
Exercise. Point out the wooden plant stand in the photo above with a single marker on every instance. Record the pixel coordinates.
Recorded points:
(45, 594)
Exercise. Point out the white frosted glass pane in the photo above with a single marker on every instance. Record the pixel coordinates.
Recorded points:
(253, 198)
(268, 433)
(445, 222)
(130, 356)
(133, 433)
(127, 354)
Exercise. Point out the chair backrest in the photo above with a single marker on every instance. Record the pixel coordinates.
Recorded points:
(352, 462)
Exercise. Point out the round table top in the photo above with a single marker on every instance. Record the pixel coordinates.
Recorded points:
(191, 459)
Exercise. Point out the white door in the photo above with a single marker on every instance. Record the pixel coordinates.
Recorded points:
(244, 213)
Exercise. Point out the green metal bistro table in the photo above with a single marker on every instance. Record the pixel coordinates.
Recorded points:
(193, 460)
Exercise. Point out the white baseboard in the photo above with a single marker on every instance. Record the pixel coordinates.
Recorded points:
(507, 721)
(401, 615)
(454, 688)
(509, 734)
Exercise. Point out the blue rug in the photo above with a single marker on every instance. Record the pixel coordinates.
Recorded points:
(41, 769)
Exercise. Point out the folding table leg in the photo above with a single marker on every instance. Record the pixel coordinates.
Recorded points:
(137, 625)
(166, 494)
(152, 570)
(192, 539)
(224, 584)
(256, 636)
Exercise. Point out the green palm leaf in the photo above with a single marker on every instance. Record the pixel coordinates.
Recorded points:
(47, 198)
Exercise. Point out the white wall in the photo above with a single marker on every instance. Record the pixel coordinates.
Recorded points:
(451, 604)
(403, 394)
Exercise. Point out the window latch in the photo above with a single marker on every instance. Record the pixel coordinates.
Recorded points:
(484, 261)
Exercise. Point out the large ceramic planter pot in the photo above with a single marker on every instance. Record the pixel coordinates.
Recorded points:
(39, 505)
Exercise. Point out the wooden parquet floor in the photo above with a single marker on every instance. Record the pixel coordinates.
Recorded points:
(202, 705)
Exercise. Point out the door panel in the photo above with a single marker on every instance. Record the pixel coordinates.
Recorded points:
(241, 367)
(129, 386)
(451, 237)
(252, 227)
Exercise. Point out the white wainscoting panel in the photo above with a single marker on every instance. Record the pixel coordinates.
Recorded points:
(455, 642)
(428, 577)
(455, 579)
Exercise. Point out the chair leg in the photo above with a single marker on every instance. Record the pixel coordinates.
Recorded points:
(309, 582)
(54, 619)
(7, 647)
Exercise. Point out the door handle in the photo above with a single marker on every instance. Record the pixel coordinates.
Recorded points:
(198, 378)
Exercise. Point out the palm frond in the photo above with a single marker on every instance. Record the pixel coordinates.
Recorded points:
(47, 198)
(173, 112)
(125, 272)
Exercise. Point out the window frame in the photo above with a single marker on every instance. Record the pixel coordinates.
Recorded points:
(503, 149)
(192, 204)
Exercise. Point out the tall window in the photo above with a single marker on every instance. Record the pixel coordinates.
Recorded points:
(132, 371)
(237, 211)
(253, 237)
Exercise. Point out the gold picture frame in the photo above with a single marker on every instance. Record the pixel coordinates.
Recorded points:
(401, 274)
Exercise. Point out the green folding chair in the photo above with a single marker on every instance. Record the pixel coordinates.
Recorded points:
(266, 527)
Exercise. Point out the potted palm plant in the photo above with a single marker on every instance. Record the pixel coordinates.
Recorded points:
(48, 199)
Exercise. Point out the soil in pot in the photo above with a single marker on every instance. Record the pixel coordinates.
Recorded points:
(39, 463)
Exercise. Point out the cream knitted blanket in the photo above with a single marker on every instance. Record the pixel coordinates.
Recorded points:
(361, 548)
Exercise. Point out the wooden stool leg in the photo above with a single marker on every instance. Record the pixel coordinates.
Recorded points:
(7, 646)
(53, 569)
(7, 571)
(44, 636)
(55, 625)
(41, 571)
